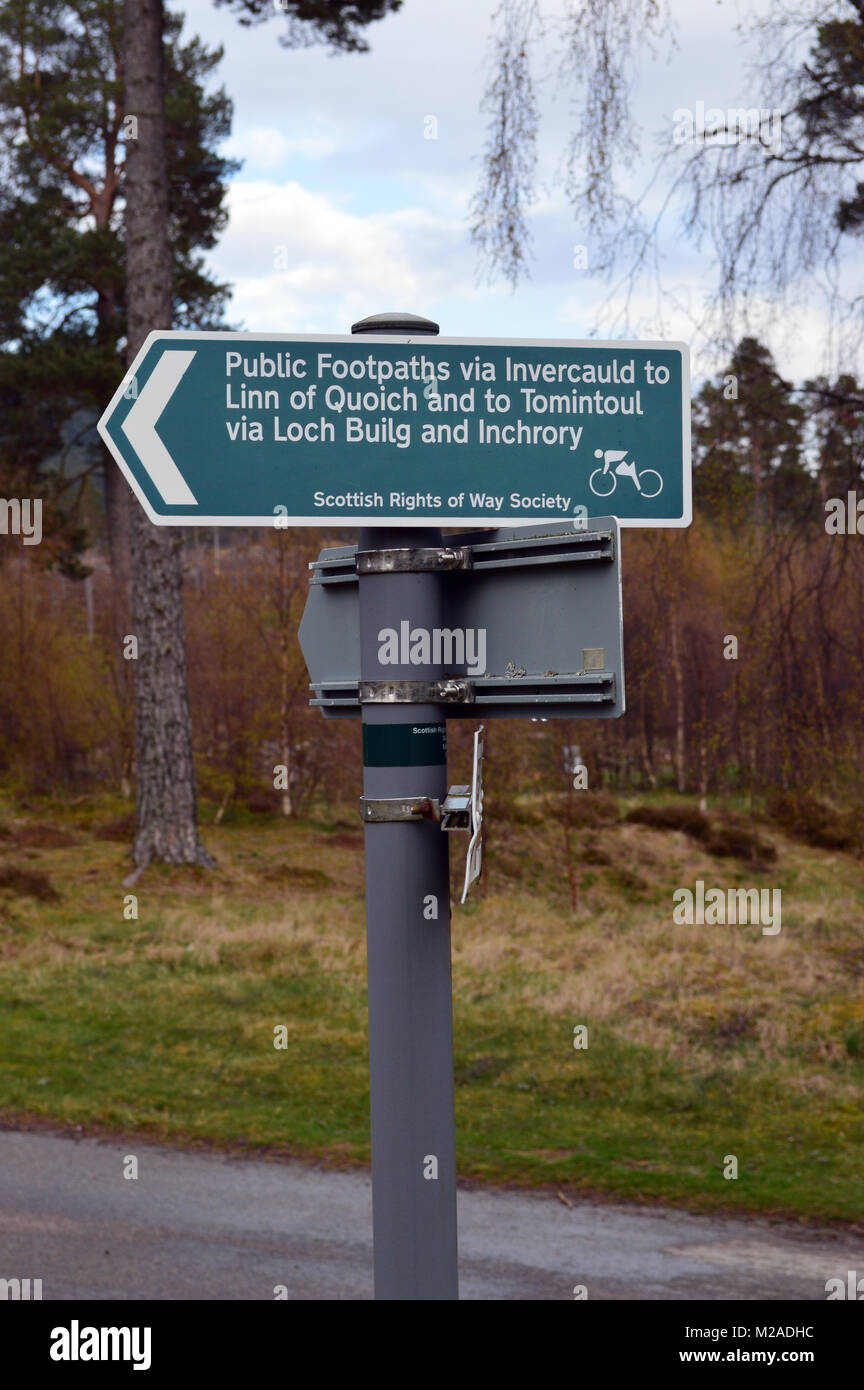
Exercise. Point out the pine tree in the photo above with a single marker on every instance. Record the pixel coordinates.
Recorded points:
(62, 276)
(747, 436)
(837, 417)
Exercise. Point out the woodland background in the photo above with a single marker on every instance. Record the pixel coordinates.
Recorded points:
(779, 725)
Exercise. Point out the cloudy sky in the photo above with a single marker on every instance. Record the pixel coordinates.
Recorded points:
(343, 207)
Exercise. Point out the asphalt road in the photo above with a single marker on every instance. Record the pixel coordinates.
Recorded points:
(205, 1226)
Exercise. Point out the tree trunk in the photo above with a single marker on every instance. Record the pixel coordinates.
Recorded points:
(703, 754)
(568, 847)
(117, 509)
(167, 812)
(645, 747)
(678, 678)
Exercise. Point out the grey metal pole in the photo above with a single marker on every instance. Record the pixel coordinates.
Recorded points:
(408, 934)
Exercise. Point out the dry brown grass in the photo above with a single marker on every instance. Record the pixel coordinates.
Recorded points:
(702, 1022)
(687, 989)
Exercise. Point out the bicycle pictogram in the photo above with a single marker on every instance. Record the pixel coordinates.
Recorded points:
(607, 481)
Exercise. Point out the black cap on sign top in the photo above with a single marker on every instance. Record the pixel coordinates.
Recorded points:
(407, 324)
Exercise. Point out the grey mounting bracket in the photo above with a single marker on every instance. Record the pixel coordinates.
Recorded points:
(454, 812)
(450, 690)
(414, 560)
(381, 809)
(456, 809)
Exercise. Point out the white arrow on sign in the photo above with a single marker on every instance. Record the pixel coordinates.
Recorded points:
(139, 428)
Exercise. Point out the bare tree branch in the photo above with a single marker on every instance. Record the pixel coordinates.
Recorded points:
(508, 189)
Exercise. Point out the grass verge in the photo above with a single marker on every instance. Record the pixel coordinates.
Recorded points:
(703, 1042)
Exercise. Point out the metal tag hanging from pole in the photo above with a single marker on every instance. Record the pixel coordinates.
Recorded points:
(474, 857)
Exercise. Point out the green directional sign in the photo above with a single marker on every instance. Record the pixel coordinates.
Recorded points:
(250, 429)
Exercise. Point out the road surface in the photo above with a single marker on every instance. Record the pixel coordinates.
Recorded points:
(206, 1226)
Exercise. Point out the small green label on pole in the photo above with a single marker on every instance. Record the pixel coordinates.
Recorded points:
(404, 745)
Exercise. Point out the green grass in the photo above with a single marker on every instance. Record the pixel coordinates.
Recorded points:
(703, 1041)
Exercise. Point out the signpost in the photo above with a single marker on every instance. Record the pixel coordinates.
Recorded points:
(397, 427)
(400, 432)
(539, 607)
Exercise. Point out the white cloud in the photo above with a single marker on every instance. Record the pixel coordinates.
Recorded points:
(301, 263)
(264, 148)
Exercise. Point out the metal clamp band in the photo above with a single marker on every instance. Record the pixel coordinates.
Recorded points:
(413, 560)
(399, 808)
(450, 690)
